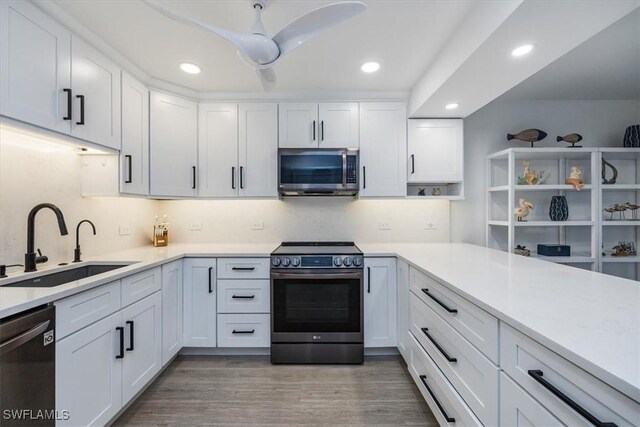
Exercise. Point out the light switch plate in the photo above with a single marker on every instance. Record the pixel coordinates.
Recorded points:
(124, 230)
(257, 225)
(196, 226)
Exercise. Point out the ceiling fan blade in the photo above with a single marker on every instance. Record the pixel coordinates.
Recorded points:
(256, 47)
(267, 78)
(313, 23)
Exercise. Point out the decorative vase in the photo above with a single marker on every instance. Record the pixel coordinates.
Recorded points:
(559, 209)
(632, 137)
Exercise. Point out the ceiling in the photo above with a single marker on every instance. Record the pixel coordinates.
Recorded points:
(404, 36)
(607, 66)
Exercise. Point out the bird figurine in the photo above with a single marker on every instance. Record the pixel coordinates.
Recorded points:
(528, 135)
(633, 208)
(522, 211)
(572, 138)
(574, 178)
(616, 208)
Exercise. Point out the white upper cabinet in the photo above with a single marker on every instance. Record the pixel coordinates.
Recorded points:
(258, 150)
(134, 157)
(96, 92)
(35, 67)
(173, 141)
(338, 125)
(218, 150)
(435, 152)
(324, 125)
(383, 147)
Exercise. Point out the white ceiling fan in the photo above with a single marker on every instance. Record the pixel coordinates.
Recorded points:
(261, 51)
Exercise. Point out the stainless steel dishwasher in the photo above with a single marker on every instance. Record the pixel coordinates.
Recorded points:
(27, 368)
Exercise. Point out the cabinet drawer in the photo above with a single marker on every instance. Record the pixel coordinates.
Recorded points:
(518, 408)
(243, 268)
(471, 373)
(83, 309)
(529, 364)
(475, 324)
(445, 403)
(244, 330)
(243, 296)
(140, 285)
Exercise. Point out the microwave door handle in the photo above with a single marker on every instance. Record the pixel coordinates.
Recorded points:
(344, 169)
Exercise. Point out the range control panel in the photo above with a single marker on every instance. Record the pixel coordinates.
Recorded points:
(317, 261)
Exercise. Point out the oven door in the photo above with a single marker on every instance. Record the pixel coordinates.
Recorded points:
(319, 306)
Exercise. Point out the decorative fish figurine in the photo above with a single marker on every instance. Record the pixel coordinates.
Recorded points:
(572, 139)
(528, 135)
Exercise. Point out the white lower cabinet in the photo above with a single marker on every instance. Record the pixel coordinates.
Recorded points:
(518, 408)
(244, 330)
(380, 302)
(403, 308)
(88, 374)
(199, 287)
(172, 309)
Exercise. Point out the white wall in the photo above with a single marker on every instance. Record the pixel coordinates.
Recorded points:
(601, 123)
(33, 171)
(307, 219)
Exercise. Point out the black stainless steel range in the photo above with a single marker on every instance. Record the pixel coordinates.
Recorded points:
(316, 303)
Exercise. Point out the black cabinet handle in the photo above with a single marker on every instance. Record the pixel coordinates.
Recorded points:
(449, 419)
(443, 305)
(233, 177)
(130, 323)
(210, 287)
(413, 164)
(129, 169)
(314, 130)
(537, 374)
(444, 353)
(243, 296)
(69, 104)
(243, 332)
(368, 280)
(193, 177)
(120, 329)
(364, 177)
(243, 268)
(81, 98)
(241, 179)
(322, 130)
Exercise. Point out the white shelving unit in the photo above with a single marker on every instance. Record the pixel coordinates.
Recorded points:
(580, 231)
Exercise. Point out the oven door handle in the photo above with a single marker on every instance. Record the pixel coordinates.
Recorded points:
(306, 275)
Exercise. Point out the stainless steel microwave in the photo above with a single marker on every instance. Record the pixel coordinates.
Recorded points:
(318, 172)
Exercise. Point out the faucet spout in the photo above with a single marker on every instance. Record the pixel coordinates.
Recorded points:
(30, 256)
(76, 252)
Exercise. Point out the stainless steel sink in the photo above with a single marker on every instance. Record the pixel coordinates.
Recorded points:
(57, 278)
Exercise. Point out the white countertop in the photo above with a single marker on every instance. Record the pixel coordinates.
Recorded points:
(589, 318)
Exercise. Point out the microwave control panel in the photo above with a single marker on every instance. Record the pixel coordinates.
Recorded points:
(352, 169)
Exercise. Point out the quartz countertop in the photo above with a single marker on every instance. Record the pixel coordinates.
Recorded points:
(591, 319)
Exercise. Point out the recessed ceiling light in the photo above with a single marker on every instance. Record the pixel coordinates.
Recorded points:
(522, 50)
(189, 68)
(452, 106)
(370, 67)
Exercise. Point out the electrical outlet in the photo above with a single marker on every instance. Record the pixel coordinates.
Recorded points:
(431, 225)
(196, 226)
(384, 225)
(124, 230)
(257, 225)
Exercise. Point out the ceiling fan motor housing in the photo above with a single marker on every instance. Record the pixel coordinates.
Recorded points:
(263, 4)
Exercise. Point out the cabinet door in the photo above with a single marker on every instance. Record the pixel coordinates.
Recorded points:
(96, 117)
(518, 408)
(339, 125)
(35, 66)
(403, 308)
(435, 150)
(134, 157)
(199, 302)
(171, 310)
(218, 150)
(258, 136)
(383, 147)
(143, 344)
(88, 375)
(380, 302)
(173, 141)
(298, 125)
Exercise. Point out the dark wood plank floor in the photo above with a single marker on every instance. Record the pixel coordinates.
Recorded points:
(248, 390)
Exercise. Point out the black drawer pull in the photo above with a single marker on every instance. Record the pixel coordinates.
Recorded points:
(243, 296)
(120, 329)
(440, 303)
(449, 419)
(69, 104)
(537, 374)
(210, 279)
(243, 332)
(81, 98)
(243, 268)
(368, 280)
(130, 323)
(444, 353)
(129, 169)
